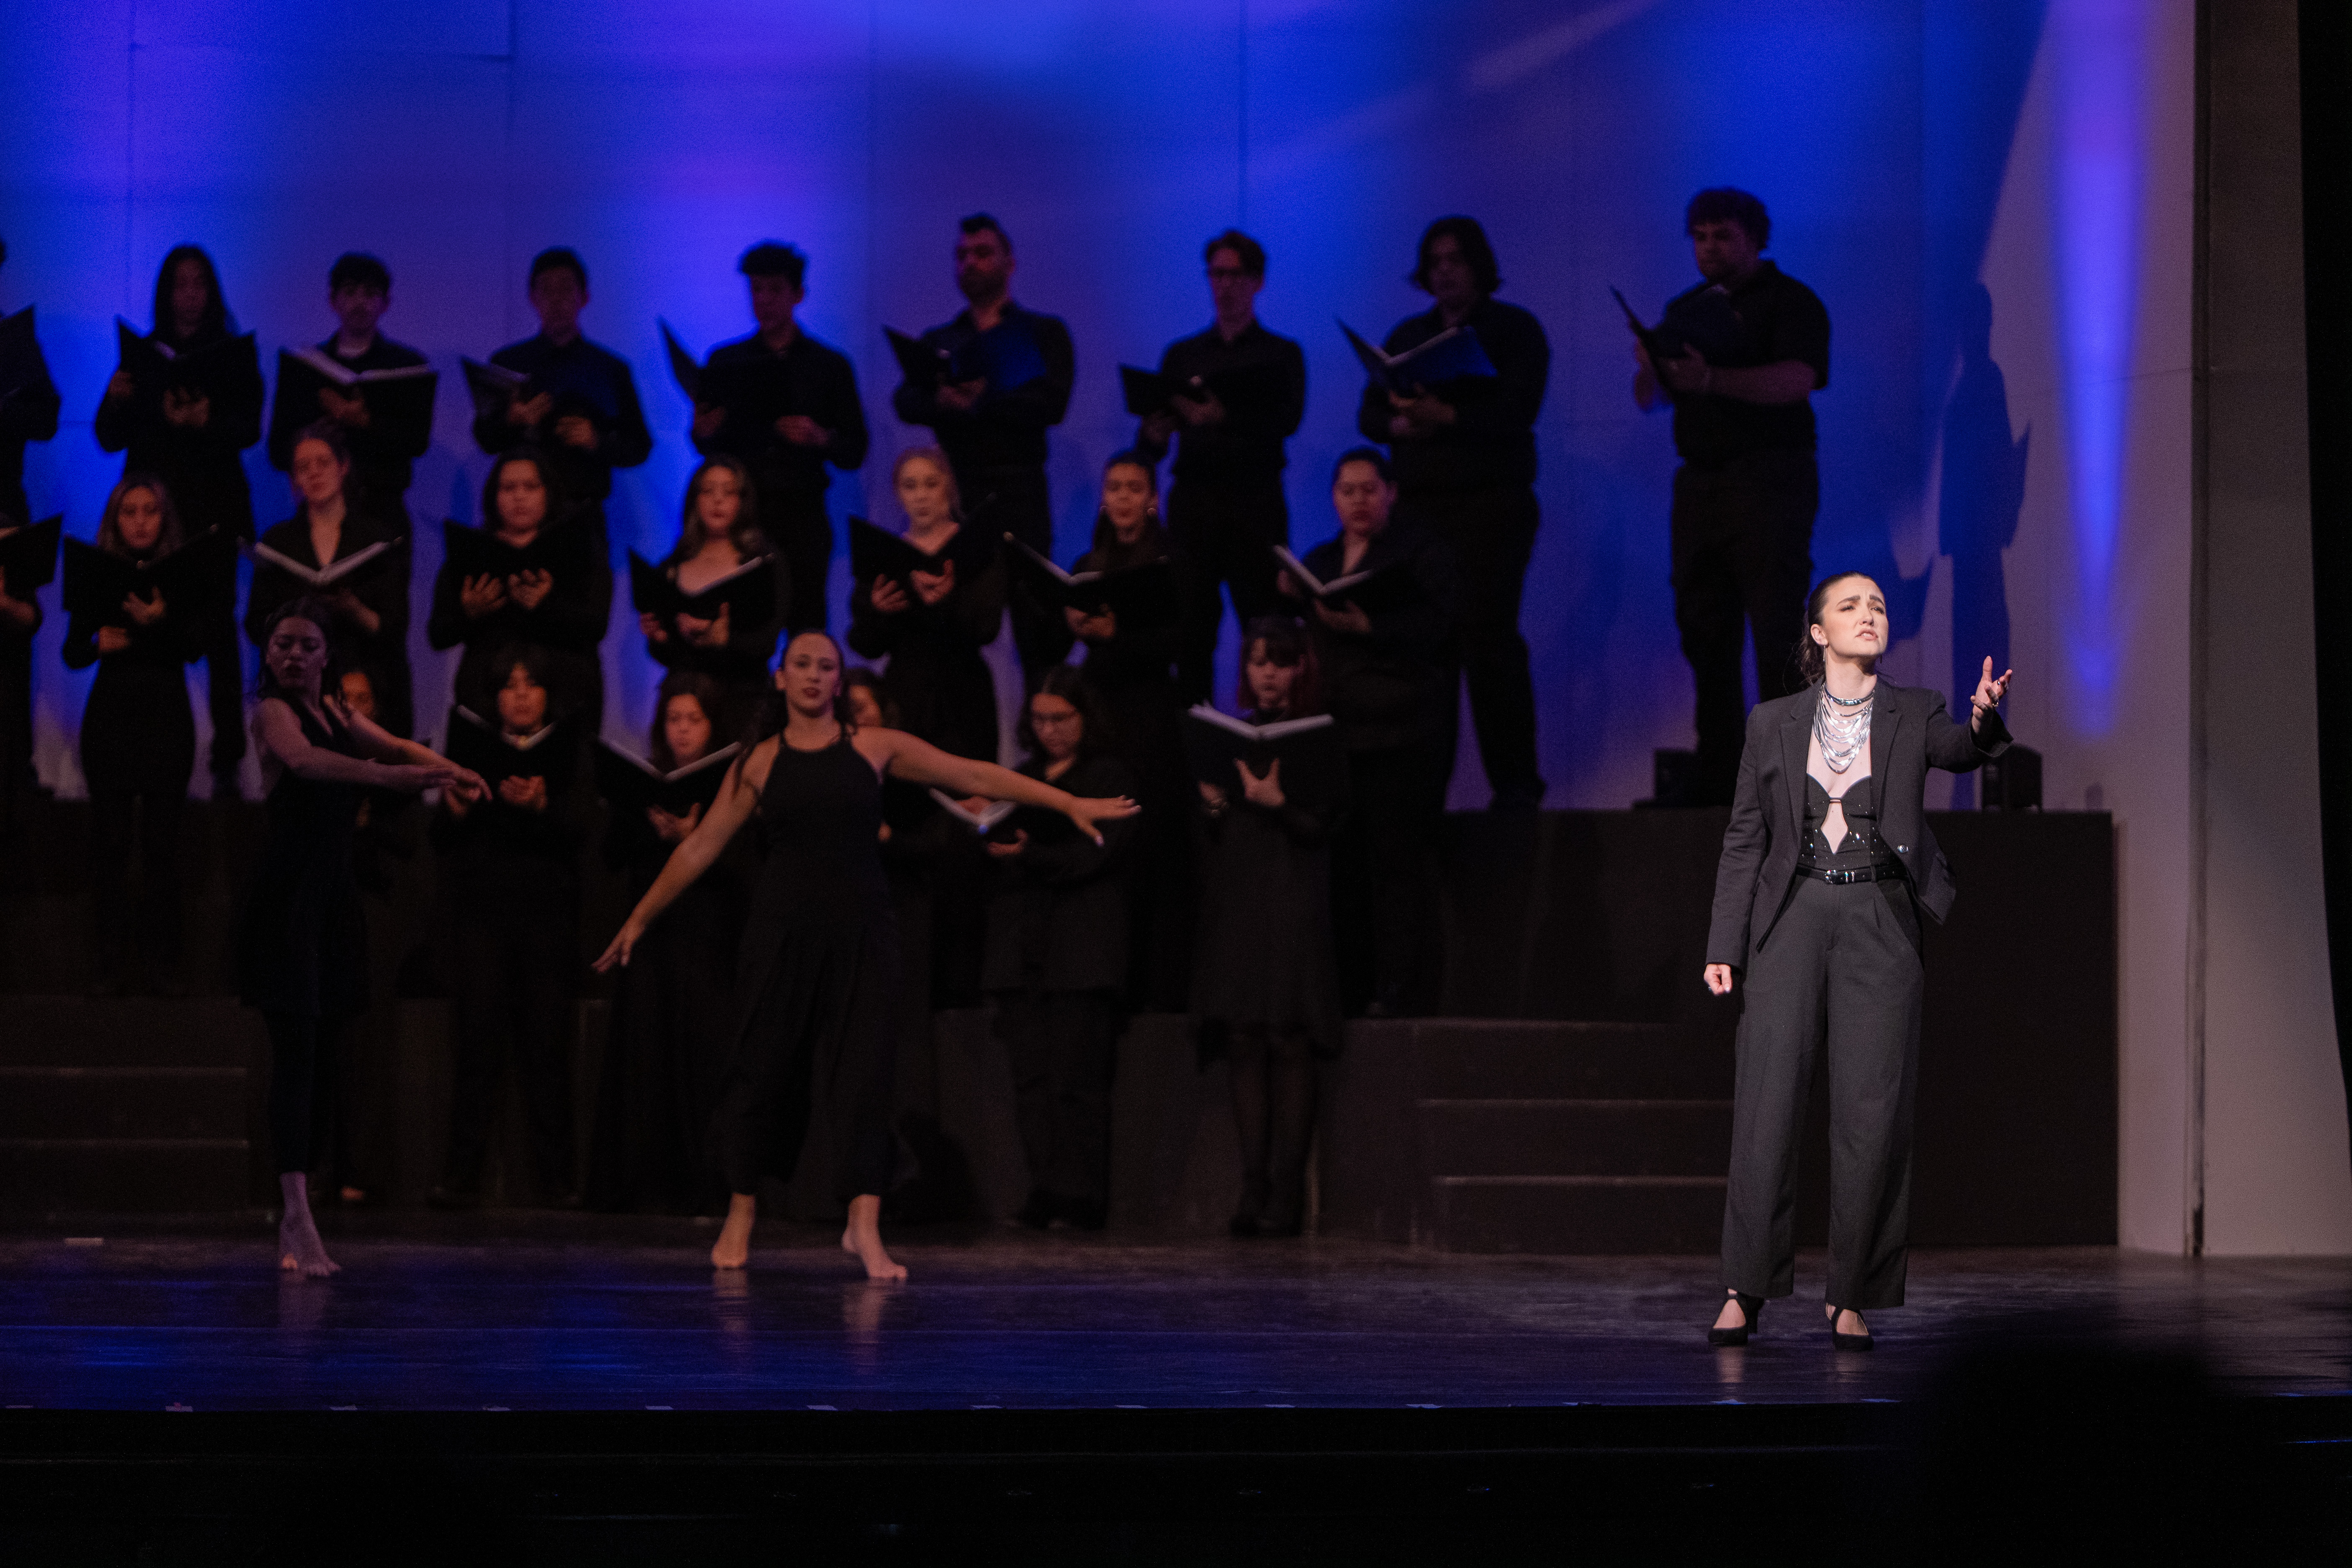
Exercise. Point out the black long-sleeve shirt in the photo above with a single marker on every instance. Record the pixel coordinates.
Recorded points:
(1395, 687)
(936, 673)
(384, 450)
(1006, 429)
(1245, 449)
(198, 463)
(568, 623)
(1491, 444)
(381, 586)
(819, 383)
(621, 439)
(29, 412)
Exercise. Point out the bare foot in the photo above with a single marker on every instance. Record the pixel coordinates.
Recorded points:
(300, 1250)
(863, 1239)
(733, 1247)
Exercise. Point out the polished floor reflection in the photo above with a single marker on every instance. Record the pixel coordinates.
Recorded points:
(551, 1314)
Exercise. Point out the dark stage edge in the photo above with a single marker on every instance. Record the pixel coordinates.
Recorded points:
(574, 1389)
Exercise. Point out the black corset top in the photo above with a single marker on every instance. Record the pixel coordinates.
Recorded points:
(1863, 845)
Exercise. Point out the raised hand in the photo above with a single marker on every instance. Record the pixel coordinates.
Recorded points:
(1989, 692)
(1265, 792)
(480, 596)
(530, 589)
(933, 587)
(888, 599)
(147, 610)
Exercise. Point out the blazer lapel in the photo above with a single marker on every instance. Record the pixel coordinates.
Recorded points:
(1884, 719)
(1795, 731)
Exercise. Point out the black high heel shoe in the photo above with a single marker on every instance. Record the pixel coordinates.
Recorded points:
(1751, 1307)
(1847, 1341)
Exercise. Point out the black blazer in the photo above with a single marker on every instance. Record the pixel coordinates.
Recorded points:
(1910, 733)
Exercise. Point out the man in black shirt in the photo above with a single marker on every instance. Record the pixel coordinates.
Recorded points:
(1748, 489)
(587, 418)
(1225, 511)
(385, 447)
(780, 366)
(1464, 453)
(994, 435)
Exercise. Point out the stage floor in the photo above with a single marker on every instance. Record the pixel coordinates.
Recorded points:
(571, 1313)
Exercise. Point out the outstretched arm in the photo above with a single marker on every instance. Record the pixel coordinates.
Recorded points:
(694, 853)
(925, 764)
(280, 734)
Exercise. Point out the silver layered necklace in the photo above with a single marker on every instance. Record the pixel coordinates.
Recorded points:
(1842, 728)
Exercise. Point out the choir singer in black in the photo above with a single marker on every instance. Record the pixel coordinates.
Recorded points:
(302, 940)
(1225, 505)
(1385, 645)
(721, 534)
(818, 974)
(29, 412)
(386, 423)
(1828, 865)
(186, 427)
(786, 407)
(1757, 348)
(1465, 452)
(1003, 379)
(578, 401)
(338, 525)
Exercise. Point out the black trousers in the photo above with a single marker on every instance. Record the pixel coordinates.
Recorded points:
(511, 964)
(1224, 538)
(1742, 543)
(1492, 534)
(797, 521)
(1063, 1045)
(223, 646)
(17, 779)
(304, 1074)
(1383, 875)
(1841, 968)
(1017, 501)
(121, 824)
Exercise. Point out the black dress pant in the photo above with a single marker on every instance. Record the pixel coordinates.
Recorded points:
(512, 962)
(124, 823)
(1743, 542)
(1017, 501)
(16, 780)
(803, 533)
(1063, 1045)
(1383, 875)
(225, 644)
(1840, 968)
(1224, 538)
(1492, 534)
(304, 1072)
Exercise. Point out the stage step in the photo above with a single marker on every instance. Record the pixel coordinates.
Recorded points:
(1575, 1137)
(1582, 1215)
(131, 1105)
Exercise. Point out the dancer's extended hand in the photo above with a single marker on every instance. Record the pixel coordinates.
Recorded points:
(1989, 693)
(625, 942)
(1718, 979)
(1085, 813)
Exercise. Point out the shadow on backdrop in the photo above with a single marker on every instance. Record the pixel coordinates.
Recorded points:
(1983, 490)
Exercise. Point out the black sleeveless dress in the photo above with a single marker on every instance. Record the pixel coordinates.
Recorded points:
(303, 944)
(818, 982)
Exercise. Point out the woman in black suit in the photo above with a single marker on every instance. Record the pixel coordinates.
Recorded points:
(334, 521)
(138, 744)
(193, 441)
(1057, 959)
(1827, 866)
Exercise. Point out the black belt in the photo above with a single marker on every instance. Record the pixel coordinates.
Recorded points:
(1883, 871)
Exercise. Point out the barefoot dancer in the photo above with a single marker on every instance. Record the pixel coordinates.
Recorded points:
(1827, 866)
(819, 972)
(302, 948)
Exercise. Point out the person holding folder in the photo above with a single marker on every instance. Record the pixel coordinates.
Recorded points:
(991, 382)
(1387, 654)
(510, 870)
(1130, 664)
(303, 937)
(571, 399)
(1057, 958)
(1265, 985)
(1465, 452)
(29, 413)
(531, 576)
(386, 415)
(1225, 505)
(664, 1057)
(338, 525)
(138, 744)
(721, 534)
(182, 407)
(817, 1020)
(786, 407)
